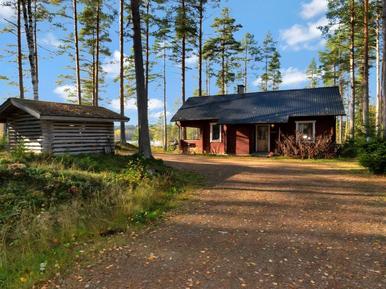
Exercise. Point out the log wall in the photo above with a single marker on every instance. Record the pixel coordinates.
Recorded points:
(77, 138)
(59, 137)
(24, 129)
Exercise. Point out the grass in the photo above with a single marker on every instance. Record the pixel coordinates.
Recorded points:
(50, 207)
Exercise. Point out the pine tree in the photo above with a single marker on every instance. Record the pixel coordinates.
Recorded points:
(267, 51)
(274, 73)
(95, 19)
(223, 48)
(121, 70)
(19, 51)
(383, 109)
(162, 45)
(76, 44)
(143, 123)
(29, 16)
(250, 54)
(313, 74)
(185, 31)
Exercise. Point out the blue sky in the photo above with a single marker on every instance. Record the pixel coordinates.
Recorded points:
(293, 24)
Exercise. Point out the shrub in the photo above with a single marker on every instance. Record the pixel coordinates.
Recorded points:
(373, 156)
(297, 147)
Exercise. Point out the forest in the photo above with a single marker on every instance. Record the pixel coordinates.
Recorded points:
(172, 32)
(99, 219)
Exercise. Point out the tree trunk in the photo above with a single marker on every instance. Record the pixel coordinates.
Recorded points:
(121, 72)
(352, 69)
(93, 67)
(383, 109)
(76, 42)
(183, 65)
(200, 34)
(365, 80)
(29, 32)
(207, 77)
(378, 102)
(246, 68)
(19, 51)
(143, 124)
(96, 100)
(36, 42)
(147, 48)
(165, 136)
(223, 70)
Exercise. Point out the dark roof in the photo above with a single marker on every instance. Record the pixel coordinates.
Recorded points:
(262, 107)
(59, 111)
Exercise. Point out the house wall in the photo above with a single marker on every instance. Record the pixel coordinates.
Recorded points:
(240, 139)
(24, 129)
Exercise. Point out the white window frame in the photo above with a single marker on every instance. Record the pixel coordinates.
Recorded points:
(306, 121)
(211, 132)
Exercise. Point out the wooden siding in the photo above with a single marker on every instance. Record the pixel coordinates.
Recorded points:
(57, 137)
(77, 138)
(241, 139)
(24, 128)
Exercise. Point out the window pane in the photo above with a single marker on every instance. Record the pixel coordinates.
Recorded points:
(192, 133)
(216, 132)
(306, 130)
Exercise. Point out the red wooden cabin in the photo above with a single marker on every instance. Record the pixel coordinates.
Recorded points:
(248, 123)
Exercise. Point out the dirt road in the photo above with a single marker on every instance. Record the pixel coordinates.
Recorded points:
(259, 223)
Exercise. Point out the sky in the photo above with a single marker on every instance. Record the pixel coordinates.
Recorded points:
(293, 24)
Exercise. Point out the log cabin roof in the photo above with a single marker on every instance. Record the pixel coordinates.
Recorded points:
(262, 107)
(59, 111)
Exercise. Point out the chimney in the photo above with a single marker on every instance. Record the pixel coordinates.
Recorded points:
(240, 89)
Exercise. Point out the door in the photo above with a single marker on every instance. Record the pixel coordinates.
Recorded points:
(262, 138)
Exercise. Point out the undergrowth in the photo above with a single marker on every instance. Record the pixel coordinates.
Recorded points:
(50, 205)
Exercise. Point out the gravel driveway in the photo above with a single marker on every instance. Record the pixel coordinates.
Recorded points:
(259, 223)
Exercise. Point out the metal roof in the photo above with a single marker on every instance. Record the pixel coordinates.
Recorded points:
(262, 107)
(59, 111)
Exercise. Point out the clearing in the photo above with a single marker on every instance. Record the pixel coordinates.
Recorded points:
(259, 223)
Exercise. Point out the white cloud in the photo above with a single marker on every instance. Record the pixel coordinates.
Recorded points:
(111, 65)
(313, 8)
(293, 76)
(155, 103)
(66, 91)
(306, 36)
(51, 40)
(192, 60)
(157, 115)
(6, 12)
(131, 104)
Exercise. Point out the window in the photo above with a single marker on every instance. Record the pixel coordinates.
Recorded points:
(306, 130)
(215, 132)
(192, 133)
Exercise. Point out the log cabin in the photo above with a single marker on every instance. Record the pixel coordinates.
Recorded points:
(58, 128)
(253, 123)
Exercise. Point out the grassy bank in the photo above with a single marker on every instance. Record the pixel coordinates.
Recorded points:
(50, 206)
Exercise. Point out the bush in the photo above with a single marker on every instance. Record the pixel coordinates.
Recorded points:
(297, 147)
(372, 155)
